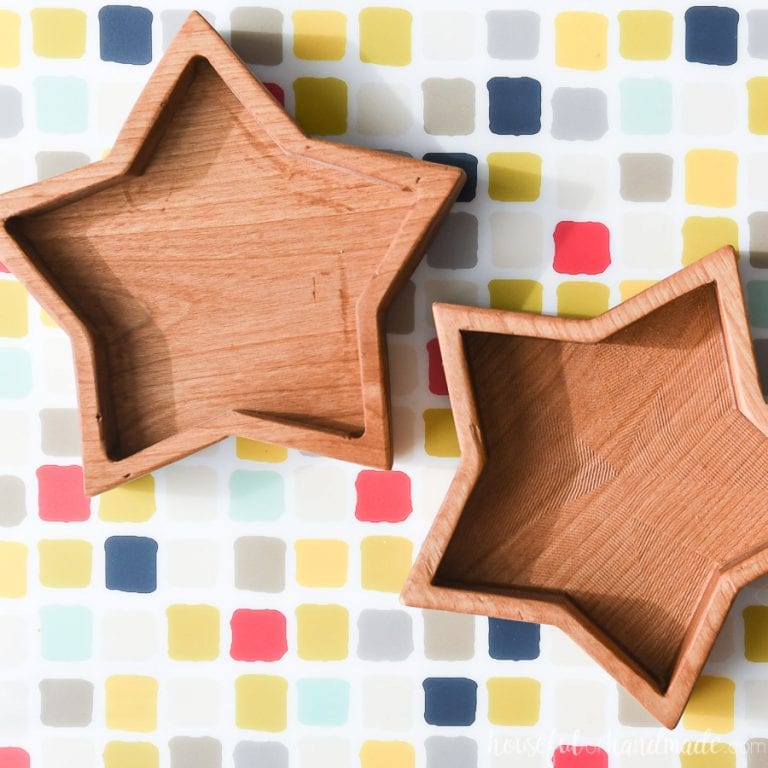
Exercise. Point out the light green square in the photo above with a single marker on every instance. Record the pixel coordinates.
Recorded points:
(62, 104)
(323, 701)
(66, 632)
(15, 373)
(256, 495)
(646, 106)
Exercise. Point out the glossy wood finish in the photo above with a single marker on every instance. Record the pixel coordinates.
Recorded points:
(220, 273)
(614, 476)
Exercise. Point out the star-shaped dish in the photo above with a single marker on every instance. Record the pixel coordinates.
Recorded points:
(220, 273)
(613, 477)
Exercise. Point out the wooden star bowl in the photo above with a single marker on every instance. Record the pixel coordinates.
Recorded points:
(222, 274)
(614, 476)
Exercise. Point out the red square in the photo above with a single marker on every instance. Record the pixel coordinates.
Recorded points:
(3, 268)
(13, 757)
(276, 91)
(567, 756)
(437, 382)
(581, 248)
(60, 494)
(258, 635)
(383, 497)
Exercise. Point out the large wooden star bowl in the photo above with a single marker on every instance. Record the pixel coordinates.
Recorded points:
(613, 477)
(220, 273)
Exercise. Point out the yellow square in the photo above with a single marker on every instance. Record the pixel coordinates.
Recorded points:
(387, 754)
(756, 633)
(440, 438)
(319, 35)
(255, 450)
(581, 40)
(321, 105)
(131, 703)
(710, 177)
(321, 562)
(704, 234)
(385, 36)
(707, 754)
(582, 299)
(65, 562)
(261, 702)
(13, 569)
(385, 562)
(517, 295)
(193, 632)
(131, 754)
(10, 52)
(13, 309)
(757, 90)
(323, 632)
(710, 707)
(133, 502)
(645, 35)
(58, 33)
(514, 177)
(629, 288)
(513, 700)
(47, 320)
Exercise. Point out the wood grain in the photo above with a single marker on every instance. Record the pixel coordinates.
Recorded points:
(220, 273)
(613, 478)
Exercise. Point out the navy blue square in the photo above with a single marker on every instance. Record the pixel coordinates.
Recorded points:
(711, 35)
(131, 563)
(467, 163)
(450, 700)
(514, 105)
(125, 34)
(513, 640)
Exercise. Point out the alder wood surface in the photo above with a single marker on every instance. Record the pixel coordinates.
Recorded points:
(221, 274)
(613, 479)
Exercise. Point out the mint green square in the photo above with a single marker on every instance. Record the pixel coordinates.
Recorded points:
(323, 701)
(256, 495)
(757, 303)
(62, 104)
(646, 106)
(66, 632)
(15, 373)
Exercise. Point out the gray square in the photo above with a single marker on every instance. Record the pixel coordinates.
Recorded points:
(455, 246)
(60, 431)
(632, 713)
(757, 753)
(13, 503)
(195, 752)
(11, 118)
(449, 106)
(448, 636)
(450, 292)
(513, 34)
(757, 43)
(53, 163)
(451, 752)
(579, 114)
(172, 22)
(66, 703)
(260, 564)
(384, 635)
(758, 240)
(646, 178)
(400, 315)
(257, 34)
(261, 754)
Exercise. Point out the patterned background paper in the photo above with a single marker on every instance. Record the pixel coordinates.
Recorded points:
(240, 608)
